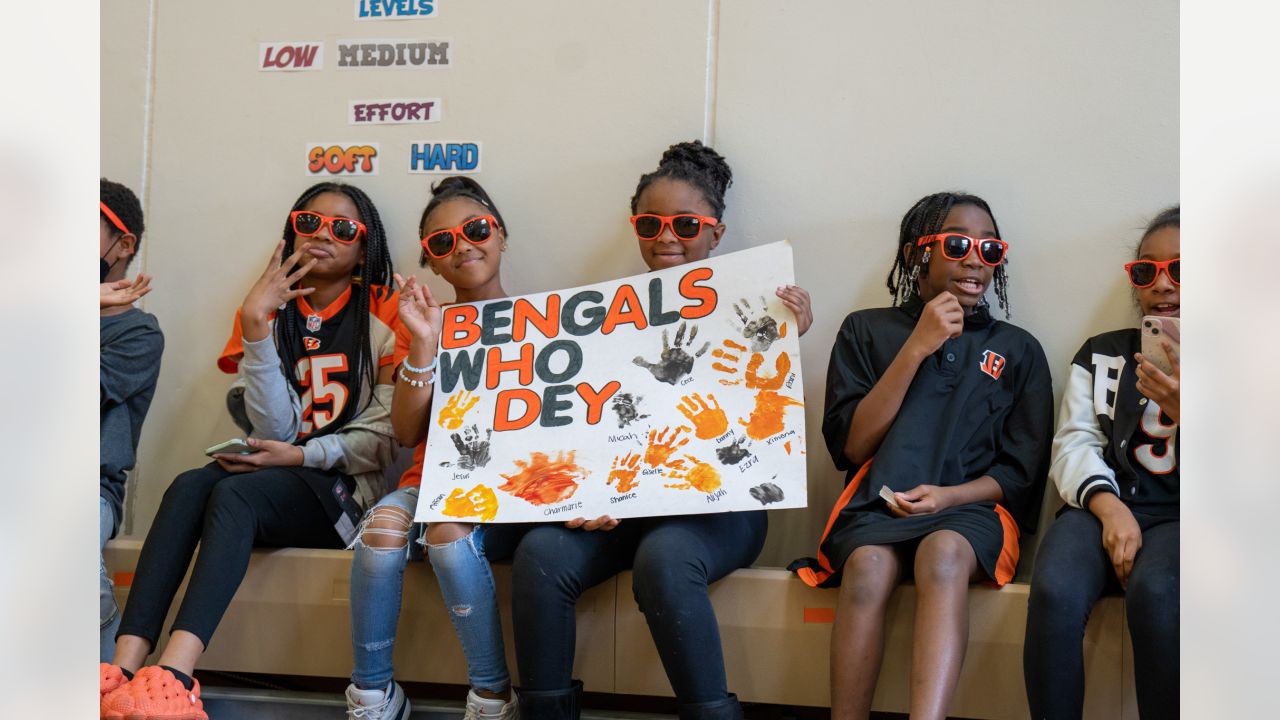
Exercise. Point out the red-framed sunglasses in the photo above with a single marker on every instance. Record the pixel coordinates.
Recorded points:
(113, 218)
(1143, 273)
(343, 230)
(442, 243)
(991, 251)
(685, 226)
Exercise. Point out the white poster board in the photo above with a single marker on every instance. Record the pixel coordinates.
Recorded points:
(668, 393)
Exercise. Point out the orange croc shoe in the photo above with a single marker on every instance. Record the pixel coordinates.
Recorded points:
(109, 678)
(153, 694)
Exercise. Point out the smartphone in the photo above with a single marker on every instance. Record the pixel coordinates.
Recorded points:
(1157, 330)
(235, 446)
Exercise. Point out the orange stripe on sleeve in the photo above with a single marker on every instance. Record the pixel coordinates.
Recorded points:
(229, 360)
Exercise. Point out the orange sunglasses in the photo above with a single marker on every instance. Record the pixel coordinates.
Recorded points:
(442, 243)
(1143, 273)
(991, 251)
(343, 230)
(685, 226)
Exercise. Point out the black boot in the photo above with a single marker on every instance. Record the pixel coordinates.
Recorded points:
(551, 704)
(727, 709)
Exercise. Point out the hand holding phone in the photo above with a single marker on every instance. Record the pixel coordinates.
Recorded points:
(890, 499)
(236, 446)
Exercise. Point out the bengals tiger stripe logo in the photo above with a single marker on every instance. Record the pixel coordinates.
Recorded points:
(992, 363)
(311, 343)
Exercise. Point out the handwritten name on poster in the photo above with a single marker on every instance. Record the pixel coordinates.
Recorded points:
(444, 157)
(290, 56)
(393, 112)
(394, 9)
(342, 158)
(396, 54)
(673, 392)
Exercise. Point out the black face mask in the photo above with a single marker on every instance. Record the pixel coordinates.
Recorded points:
(103, 267)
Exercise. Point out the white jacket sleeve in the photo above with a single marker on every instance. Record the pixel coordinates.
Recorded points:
(1078, 467)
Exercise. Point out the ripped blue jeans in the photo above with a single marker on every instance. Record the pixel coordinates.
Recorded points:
(466, 582)
(377, 584)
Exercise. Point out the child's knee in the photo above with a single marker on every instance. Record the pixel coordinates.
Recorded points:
(870, 575)
(387, 528)
(944, 557)
(443, 533)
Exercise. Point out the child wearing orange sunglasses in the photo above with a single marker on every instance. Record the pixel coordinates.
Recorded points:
(463, 240)
(1115, 462)
(312, 346)
(941, 417)
(677, 216)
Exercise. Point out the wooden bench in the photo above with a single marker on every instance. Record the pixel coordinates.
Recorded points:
(291, 617)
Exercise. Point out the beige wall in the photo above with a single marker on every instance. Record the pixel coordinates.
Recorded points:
(835, 116)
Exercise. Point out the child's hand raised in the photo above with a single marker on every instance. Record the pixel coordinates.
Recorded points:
(123, 292)
(419, 311)
(1162, 389)
(921, 500)
(273, 290)
(942, 318)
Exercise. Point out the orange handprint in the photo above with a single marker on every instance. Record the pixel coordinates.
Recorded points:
(766, 419)
(624, 470)
(708, 420)
(732, 353)
(701, 477)
(755, 381)
(542, 481)
(479, 502)
(451, 414)
(661, 447)
(782, 366)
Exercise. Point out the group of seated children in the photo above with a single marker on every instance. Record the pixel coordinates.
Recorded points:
(940, 414)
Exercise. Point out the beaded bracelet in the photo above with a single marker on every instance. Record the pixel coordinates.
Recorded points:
(418, 371)
(416, 383)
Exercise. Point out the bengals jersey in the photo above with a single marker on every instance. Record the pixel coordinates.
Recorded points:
(326, 365)
(980, 405)
(1110, 437)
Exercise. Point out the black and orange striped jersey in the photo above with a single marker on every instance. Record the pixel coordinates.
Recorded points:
(325, 368)
(1110, 438)
(981, 405)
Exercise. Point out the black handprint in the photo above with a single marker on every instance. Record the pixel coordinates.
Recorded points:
(734, 453)
(675, 362)
(761, 330)
(767, 493)
(473, 451)
(627, 406)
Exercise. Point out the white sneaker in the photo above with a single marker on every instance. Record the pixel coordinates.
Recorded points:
(479, 708)
(387, 704)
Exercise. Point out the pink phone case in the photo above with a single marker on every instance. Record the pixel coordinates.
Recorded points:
(1157, 330)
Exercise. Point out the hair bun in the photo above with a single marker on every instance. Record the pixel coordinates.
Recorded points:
(704, 158)
(455, 184)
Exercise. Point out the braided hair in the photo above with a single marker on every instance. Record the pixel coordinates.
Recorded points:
(926, 218)
(457, 186)
(125, 205)
(372, 272)
(696, 164)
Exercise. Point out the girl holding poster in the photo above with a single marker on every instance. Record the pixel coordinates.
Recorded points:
(676, 215)
(463, 238)
(324, 316)
(955, 407)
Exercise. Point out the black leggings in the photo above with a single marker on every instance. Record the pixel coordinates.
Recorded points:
(1072, 571)
(227, 513)
(674, 559)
